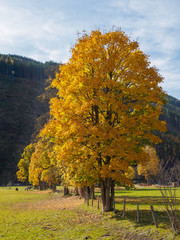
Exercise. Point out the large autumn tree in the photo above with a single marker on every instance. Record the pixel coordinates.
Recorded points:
(107, 108)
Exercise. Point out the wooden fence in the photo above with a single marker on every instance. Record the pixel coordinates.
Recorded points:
(90, 201)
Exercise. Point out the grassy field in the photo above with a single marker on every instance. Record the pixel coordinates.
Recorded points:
(34, 215)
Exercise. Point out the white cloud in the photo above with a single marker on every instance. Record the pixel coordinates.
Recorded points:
(156, 24)
(44, 32)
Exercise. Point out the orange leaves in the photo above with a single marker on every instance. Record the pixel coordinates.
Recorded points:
(108, 103)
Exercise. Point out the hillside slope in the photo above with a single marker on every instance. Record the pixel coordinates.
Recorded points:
(169, 150)
(20, 107)
(172, 114)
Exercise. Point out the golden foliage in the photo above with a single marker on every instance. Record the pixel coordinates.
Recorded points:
(151, 165)
(42, 166)
(23, 165)
(107, 107)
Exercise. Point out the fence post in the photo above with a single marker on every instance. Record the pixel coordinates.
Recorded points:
(154, 216)
(124, 207)
(137, 212)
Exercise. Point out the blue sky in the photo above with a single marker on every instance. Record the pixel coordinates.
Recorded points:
(46, 29)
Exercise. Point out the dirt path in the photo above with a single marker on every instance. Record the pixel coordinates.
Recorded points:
(54, 203)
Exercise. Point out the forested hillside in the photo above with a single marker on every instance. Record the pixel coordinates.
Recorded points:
(22, 81)
(172, 114)
(21, 67)
(169, 150)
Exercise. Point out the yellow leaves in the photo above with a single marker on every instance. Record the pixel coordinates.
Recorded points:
(150, 166)
(43, 165)
(24, 162)
(22, 175)
(130, 174)
(108, 103)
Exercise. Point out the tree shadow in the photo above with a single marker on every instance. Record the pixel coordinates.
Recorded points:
(145, 217)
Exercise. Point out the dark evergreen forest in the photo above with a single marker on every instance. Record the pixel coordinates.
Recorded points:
(24, 110)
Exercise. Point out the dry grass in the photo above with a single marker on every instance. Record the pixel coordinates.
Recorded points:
(55, 203)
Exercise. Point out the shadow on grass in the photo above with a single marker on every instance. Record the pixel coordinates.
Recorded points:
(145, 218)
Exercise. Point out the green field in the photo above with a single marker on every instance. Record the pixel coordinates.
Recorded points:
(44, 215)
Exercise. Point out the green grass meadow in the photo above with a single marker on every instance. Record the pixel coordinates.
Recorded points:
(35, 215)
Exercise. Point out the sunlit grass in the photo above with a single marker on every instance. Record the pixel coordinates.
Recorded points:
(43, 215)
(144, 196)
(10, 195)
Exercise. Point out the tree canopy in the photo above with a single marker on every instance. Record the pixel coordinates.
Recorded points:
(23, 165)
(107, 108)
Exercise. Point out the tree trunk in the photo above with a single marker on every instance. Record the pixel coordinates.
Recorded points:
(112, 194)
(52, 186)
(107, 194)
(92, 192)
(76, 192)
(82, 192)
(43, 185)
(66, 190)
(148, 180)
(88, 192)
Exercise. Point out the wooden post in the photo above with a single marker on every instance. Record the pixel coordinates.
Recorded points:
(154, 216)
(98, 202)
(138, 213)
(124, 207)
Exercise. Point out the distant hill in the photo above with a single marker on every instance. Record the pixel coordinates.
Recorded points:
(22, 81)
(15, 66)
(169, 150)
(172, 114)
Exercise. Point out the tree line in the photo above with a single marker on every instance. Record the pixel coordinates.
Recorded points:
(16, 66)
